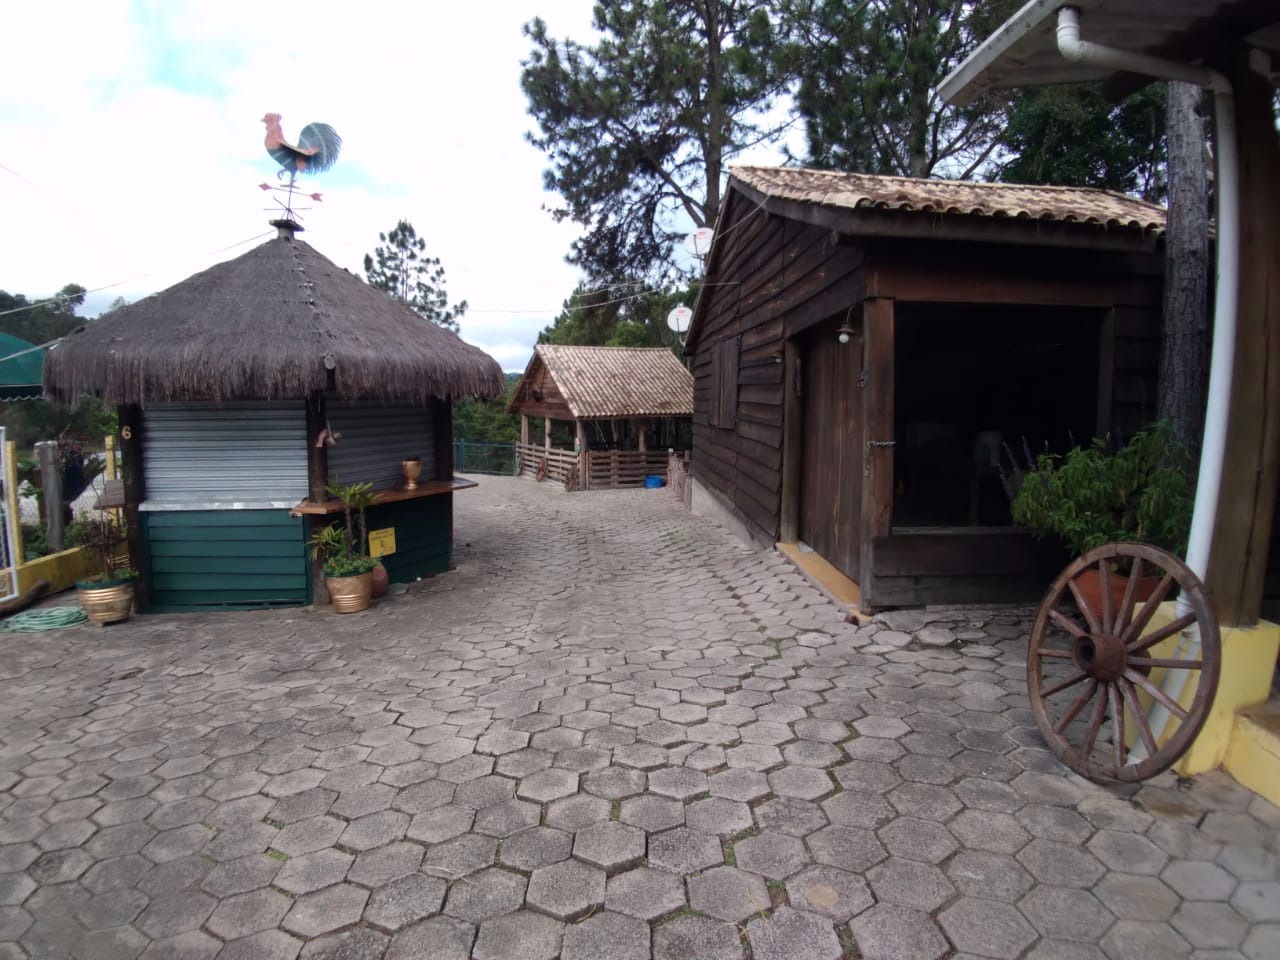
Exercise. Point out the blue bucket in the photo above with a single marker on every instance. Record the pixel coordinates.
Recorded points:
(653, 481)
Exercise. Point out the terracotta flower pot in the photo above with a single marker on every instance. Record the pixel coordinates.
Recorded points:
(380, 581)
(1089, 583)
(351, 594)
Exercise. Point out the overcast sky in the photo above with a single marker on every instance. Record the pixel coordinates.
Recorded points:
(131, 144)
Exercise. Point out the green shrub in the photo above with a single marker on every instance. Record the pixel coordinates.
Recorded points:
(1091, 496)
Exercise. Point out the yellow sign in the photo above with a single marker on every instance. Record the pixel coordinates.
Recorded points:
(382, 543)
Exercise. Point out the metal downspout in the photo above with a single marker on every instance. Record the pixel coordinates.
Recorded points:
(1226, 297)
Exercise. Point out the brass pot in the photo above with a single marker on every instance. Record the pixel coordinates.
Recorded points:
(412, 470)
(108, 603)
(351, 594)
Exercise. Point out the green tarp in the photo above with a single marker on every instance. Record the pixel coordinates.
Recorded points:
(20, 377)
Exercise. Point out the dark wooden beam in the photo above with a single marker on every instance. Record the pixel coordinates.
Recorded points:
(317, 481)
(877, 439)
(1238, 557)
(792, 443)
(135, 492)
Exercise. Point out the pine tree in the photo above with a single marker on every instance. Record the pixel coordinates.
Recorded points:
(402, 269)
(637, 128)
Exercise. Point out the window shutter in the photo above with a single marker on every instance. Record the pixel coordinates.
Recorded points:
(717, 375)
(729, 381)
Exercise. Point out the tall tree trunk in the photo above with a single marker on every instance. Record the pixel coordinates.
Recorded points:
(1184, 355)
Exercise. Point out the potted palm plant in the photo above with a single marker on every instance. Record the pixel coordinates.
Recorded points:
(107, 597)
(1091, 496)
(348, 568)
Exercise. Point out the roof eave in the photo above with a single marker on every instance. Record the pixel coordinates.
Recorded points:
(974, 77)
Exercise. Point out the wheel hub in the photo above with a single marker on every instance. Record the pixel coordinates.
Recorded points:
(1101, 657)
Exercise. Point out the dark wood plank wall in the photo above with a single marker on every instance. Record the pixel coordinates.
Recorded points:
(774, 278)
(551, 405)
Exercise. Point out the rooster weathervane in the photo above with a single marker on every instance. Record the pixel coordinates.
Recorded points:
(316, 151)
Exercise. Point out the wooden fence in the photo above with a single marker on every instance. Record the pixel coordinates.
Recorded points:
(593, 470)
(680, 477)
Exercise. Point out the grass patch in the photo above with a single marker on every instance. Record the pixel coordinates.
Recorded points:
(615, 810)
(275, 854)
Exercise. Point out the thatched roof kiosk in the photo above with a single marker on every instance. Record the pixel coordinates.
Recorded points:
(233, 387)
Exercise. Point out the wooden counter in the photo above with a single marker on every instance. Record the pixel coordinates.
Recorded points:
(397, 494)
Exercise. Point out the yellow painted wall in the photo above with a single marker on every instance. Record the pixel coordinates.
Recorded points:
(1248, 664)
(61, 569)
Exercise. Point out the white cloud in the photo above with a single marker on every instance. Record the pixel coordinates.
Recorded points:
(132, 132)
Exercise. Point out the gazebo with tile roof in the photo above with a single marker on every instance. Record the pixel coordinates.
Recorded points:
(628, 406)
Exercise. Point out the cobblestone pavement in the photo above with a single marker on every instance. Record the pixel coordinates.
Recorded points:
(612, 733)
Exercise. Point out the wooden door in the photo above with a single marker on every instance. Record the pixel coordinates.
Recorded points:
(831, 465)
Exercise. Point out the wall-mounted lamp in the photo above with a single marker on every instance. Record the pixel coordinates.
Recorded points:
(846, 331)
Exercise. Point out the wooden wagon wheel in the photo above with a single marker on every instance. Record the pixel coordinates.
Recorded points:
(1089, 664)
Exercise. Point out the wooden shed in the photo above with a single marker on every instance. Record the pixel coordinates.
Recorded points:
(232, 386)
(625, 407)
(865, 346)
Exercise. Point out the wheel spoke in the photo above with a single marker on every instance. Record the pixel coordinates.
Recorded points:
(1149, 608)
(1155, 636)
(1077, 705)
(1094, 726)
(1170, 704)
(1067, 624)
(1061, 685)
(1131, 698)
(1054, 654)
(1130, 591)
(1172, 664)
(1104, 577)
(1084, 608)
(1117, 724)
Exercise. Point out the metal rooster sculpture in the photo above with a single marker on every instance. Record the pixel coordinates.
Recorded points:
(316, 151)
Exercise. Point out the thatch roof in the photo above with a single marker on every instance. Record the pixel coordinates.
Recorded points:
(609, 383)
(834, 188)
(261, 327)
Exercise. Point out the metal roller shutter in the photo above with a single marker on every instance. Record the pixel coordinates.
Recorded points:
(374, 441)
(236, 455)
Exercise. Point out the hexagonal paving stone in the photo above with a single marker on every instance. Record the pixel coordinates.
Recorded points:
(924, 800)
(460, 856)
(574, 813)
(792, 935)
(314, 871)
(405, 901)
(832, 892)
(325, 910)
(308, 836)
(547, 785)
(522, 934)
(699, 937)
(440, 938)
(536, 847)
(248, 913)
(728, 893)
(798, 818)
(718, 815)
(611, 845)
(1263, 942)
(889, 932)
(374, 830)
(772, 855)
(849, 848)
(1258, 901)
(645, 893)
(685, 850)
(488, 893)
(566, 890)
(803, 783)
(1063, 913)
(911, 884)
(506, 818)
(176, 913)
(989, 830)
(678, 783)
(1133, 940)
(1211, 925)
(993, 875)
(606, 936)
(987, 927)
(614, 783)
(1127, 852)
(915, 839)
(1059, 864)
(1197, 880)
(652, 813)
(739, 784)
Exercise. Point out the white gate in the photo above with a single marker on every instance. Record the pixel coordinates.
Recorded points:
(10, 527)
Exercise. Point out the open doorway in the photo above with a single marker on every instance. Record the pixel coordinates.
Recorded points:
(969, 379)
